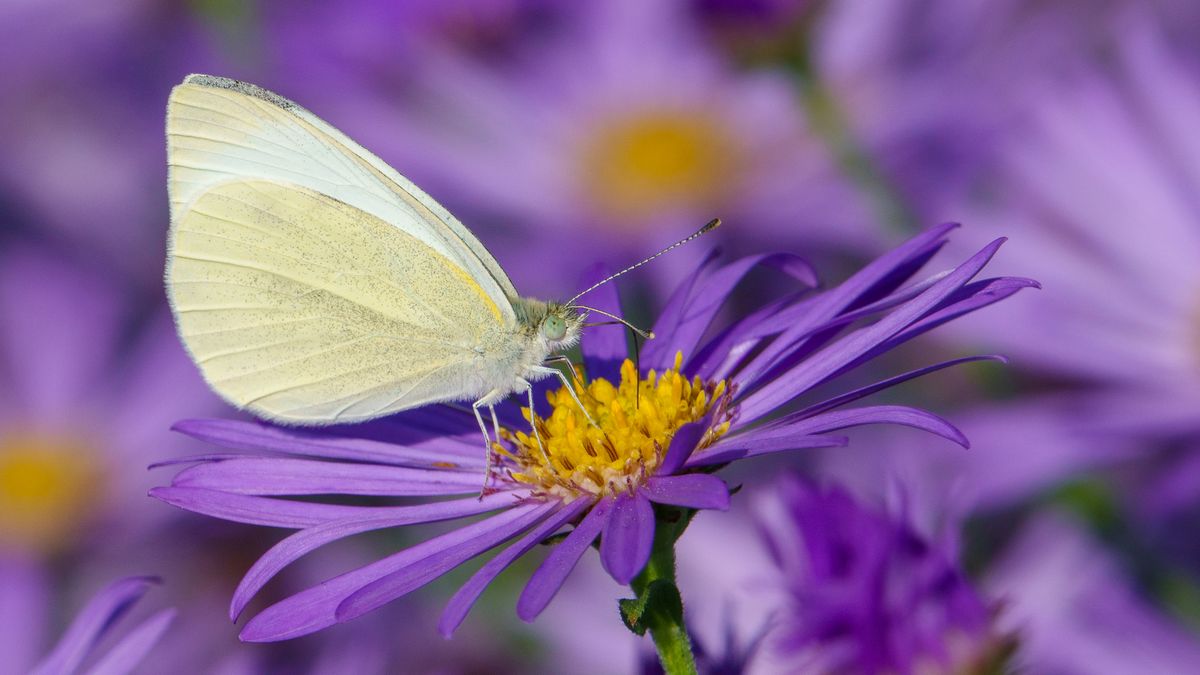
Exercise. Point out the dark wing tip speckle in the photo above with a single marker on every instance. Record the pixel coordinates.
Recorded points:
(240, 87)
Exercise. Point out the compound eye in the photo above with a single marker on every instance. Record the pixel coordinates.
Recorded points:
(554, 328)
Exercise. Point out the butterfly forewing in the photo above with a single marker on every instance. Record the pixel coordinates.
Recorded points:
(310, 282)
(306, 309)
(220, 129)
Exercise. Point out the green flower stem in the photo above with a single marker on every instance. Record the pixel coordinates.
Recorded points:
(658, 607)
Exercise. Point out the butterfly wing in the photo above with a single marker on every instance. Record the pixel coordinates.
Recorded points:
(310, 282)
(219, 129)
(306, 309)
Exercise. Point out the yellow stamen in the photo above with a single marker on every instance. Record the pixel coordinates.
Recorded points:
(637, 420)
(46, 485)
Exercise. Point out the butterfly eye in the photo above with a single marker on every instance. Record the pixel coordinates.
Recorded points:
(554, 328)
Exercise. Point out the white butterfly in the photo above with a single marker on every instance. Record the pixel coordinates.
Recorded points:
(312, 284)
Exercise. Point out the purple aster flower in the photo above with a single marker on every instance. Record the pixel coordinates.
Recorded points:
(1121, 320)
(616, 129)
(81, 121)
(868, 593)
(662, 431)
(1076, 610)
(77, 410)
(78, 646)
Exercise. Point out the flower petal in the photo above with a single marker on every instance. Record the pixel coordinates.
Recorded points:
(816, 368)
(260, 437)
(284, 476)
(877, 278)
(693, 490)
(603, 347)
(683, 444)
(299, 544)
(253, 510)
(458, 606)
(744, 445)
(684, 323)
(863, 392)
(92, 622)
(970, 298)
(842, 419)
(553, 571)
(129, 652)
(413, 576)
(59, 328)
(315, 608)
(628, 537)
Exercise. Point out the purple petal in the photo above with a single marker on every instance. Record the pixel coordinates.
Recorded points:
(745, 445)
(415, 575)
(683, 444)
(829, 360)
(315, 608)
(59, 328)
(672, 313)
(282, 476)
(971, 298)
(196, 459)
(26, 602)
(129, 652)
(878, 275)
(717, 357)
(259, 437)
(684, 324)
(603, 347)
(628, 537)
(456, 610)
(863, 392)
(553, 571)
(842, 419)
(253, 510)
(92, 622)
(693, 490)
(293, 547)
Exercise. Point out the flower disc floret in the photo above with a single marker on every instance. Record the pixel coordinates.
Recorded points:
(635, 421)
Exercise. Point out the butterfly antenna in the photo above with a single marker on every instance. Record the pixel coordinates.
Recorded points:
(649, 335)
(712, 224)
(637, 366)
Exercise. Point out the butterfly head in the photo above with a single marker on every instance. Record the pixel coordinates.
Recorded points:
(554, 324)
(561, 325)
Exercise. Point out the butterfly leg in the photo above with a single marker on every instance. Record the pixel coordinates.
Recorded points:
(489, 400)
(536, 434)
(570, 389)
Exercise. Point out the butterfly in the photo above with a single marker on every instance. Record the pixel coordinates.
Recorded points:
(312, 284)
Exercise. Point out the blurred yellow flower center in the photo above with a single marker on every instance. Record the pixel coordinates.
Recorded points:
(46, 484)
(638, 165)
(637, 420)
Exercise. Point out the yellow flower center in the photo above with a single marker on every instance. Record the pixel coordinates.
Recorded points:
(46, 484)
(636, 421)
(641, 164)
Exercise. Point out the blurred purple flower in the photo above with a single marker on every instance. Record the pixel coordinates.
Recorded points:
(618, 130)
(868, 594)
(81, 123)
(1120, 316)
(84, 402)
(700, 412)
(1019, 449)
(78, 412)
(79, 644)
(935, 89)
(1075, 610)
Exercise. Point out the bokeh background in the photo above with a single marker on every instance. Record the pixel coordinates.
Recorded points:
(565, 134)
